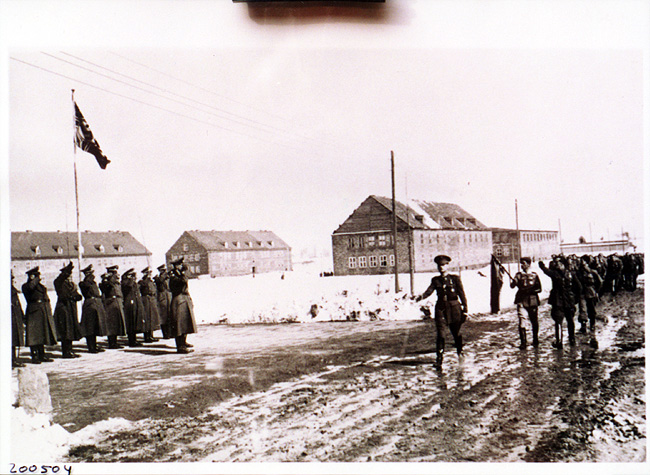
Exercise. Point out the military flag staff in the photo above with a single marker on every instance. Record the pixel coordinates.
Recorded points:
(76, 188)
(392, 176)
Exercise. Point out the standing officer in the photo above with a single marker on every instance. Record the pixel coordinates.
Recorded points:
(39, 329)
(451, 306)
(150, 304)
(17, 326)
(114, 305)
(65, 311)
(164, 299)
(133, 308)
(528, 286)
(93, 313)
(182, 309)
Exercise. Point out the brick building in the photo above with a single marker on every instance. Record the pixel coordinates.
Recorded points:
(53, 250)
(221, 253)
(536, 244)
(363, 244)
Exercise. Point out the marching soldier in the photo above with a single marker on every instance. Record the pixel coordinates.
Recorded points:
(93, 313)
(150, 304)
(591, 283)
(451, 306)
(39, 329)
(113, 303)
(133, 308)
(17, 325)
(528, 287)
(164, 299)
(65, 311)
(182, 309)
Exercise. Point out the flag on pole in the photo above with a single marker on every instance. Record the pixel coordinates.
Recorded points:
(85, 140)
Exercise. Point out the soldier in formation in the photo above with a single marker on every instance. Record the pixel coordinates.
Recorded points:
(39, 324)
(450, 308)
(164, 297)
(150, 305)
(17, 325)
(181, 321)
(114, 306)
(93, 312)
(133, 307)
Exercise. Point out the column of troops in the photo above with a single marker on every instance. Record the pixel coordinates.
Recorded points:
(114, 307)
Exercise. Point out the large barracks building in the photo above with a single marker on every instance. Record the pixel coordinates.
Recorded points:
(51, 251)
(363, 244)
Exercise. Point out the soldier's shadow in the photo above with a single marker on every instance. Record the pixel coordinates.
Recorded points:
(151, 351)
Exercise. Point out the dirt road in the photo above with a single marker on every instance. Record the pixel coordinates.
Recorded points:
(366, 392)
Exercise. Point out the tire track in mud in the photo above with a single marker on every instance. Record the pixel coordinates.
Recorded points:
(498, 403)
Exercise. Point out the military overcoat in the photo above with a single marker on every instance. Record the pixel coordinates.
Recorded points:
(182, 309)
(39, 324)
(113, 303)
(17, 319)
(150, 304)
(93, 313)
(66, 315)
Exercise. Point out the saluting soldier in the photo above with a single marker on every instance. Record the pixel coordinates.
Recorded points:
(39, 329)
(562, 298)
(451, 306)
(65, 311)
(164, 299)
(591, 283)
(150, 304)
(528, 287)
(182, 309)
(133, 308)
(93, 313)
(17, 325)
(114, 305)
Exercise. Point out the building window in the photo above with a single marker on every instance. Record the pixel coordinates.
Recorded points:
(363, 261)
(352, 262)
(499, 251)
(118, 248)
(382, 240)
(371, 240)
(100, 248)
(373, 261)
(383, 261)
(352, 242)
(391, 260)
(197, 257)
(186, 246)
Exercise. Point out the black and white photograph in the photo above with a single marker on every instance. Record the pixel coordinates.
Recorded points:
(324, 236)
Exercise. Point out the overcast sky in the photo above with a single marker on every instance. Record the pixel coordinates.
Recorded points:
(218, 116)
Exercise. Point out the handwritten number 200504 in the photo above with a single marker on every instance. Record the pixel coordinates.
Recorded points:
(40, 469)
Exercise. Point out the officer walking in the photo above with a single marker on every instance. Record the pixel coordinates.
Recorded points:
(528, 287)
(451, 306)
(182, 309)
(17, 325)
(93, 313)
(65, 311)
(39, 329)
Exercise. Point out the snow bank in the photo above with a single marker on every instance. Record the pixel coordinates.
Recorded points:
(303, 296)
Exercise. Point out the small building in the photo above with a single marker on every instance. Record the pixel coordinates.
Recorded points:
(364, 243)
(223, 253)
(598, 247)
(536, 244)
(53, 250)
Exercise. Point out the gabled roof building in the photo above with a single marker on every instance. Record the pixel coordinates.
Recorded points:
(50, 251)
(364, 243)
(222, 253)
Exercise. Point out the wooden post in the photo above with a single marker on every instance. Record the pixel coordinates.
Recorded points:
(392, 175)
(518, 237)
(410, 239)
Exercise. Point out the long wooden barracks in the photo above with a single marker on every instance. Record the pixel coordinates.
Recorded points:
(223, 253)
(53, 250)
(363, 244)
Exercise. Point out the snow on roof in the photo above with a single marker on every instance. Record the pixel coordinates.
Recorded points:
(220, 240)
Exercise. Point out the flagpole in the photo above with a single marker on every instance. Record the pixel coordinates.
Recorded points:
(76, 188)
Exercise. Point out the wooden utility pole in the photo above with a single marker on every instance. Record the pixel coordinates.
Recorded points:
(410, 238)
(392, 175)
(518, 237)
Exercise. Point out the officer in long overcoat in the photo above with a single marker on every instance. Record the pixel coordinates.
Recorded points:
(150, 304)
(528, 287)
(17, 325)
(93, 313)
(182, 310)
(65, 312)
(39, 324)
(164, 297)
(133, 307)
(451, 306)
(114, 305)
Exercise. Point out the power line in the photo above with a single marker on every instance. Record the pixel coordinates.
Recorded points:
(177, 95)
(149, 92)
(148, 104)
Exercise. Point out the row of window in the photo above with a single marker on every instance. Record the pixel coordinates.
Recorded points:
(445, 237)
(538, 237)
(362, 262)
(360, 241)
(59, 249)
